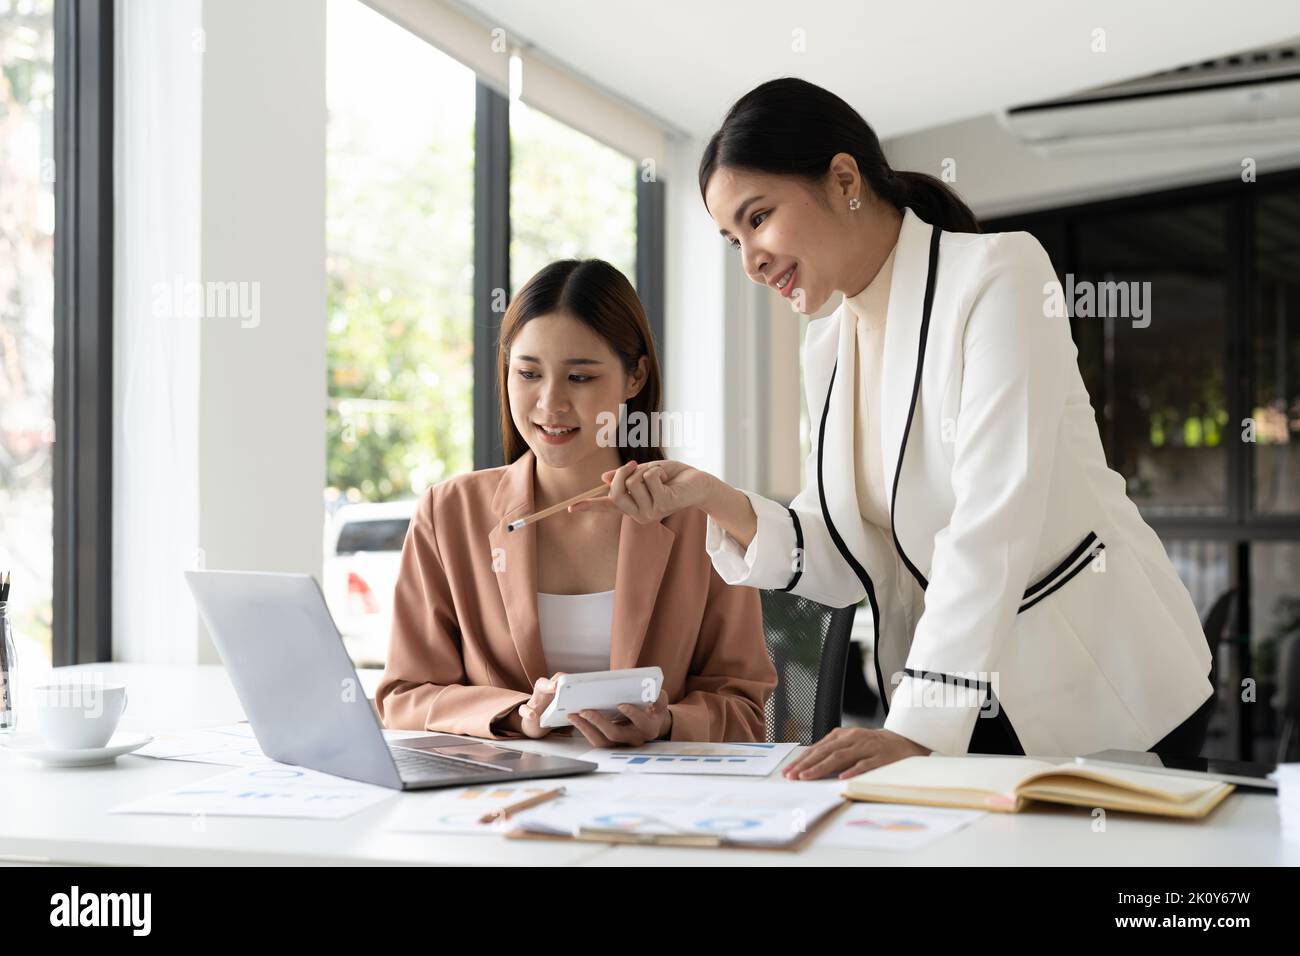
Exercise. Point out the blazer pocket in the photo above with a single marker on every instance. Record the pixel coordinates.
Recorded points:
(1074, 562)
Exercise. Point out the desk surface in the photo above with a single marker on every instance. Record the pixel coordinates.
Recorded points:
(60, 815)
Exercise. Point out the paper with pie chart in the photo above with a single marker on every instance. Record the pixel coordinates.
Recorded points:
(893, 826)
(756, 813)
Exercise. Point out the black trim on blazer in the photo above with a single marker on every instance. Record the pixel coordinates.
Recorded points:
(1003, 720)
(1083, 546)
(1060, 568)
(861, 572)
(948, 679)
(1087, 559)
(798, 546)
(845, 553)
(935, 233)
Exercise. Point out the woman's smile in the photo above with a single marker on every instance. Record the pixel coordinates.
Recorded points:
(556, 434)
(785, 282)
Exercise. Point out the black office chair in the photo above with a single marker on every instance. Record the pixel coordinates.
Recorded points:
(1190, 741)
(809, 646)
(1286, 699)
(1215, 624)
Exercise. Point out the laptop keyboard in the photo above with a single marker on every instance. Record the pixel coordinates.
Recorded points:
(421, 765)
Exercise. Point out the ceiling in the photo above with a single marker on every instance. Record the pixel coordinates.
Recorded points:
(906, 66)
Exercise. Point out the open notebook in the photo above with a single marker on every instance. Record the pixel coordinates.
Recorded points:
(1006, 783)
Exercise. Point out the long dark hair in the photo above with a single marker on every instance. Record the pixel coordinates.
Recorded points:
(599, 296)
(790, 127)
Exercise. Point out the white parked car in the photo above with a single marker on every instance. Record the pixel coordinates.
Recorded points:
(363, 549)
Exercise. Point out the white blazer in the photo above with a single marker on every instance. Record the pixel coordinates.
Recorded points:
(1016, 573)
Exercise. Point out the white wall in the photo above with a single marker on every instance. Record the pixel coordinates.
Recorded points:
(219, 421)
(732, 348)
(262, 389)
(694, 307)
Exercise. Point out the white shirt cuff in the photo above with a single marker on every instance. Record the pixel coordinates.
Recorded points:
(769, 561)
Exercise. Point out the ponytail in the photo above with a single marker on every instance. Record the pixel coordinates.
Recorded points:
(931, 199)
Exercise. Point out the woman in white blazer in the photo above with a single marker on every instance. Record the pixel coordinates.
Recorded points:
(1021, 604)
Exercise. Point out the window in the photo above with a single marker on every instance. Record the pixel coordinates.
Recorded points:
(1276, 406)
(1200, 409)
(1164, 414)
(27, 320)
(570, 197)
(399, 220)
(438, 187)
(399, 246)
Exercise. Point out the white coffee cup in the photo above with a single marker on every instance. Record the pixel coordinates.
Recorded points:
(78, 716)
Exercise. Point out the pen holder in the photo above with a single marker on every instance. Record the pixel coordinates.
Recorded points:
(8, 663)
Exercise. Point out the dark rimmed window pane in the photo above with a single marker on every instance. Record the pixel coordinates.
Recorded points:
(399, 271)
(1155, 286)
(1276, 411)
(27, 320)
(570, 197)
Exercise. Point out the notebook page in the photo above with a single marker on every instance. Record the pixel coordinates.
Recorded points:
(988, 774)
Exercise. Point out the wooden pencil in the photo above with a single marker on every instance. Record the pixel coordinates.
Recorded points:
(554, 509)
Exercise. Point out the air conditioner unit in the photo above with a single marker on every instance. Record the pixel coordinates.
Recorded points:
(1251, 100)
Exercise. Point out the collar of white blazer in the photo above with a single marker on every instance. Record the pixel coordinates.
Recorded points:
(834, 342)
(831, 349)
(906, 327)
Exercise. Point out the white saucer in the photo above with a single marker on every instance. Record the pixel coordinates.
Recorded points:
(32, 745)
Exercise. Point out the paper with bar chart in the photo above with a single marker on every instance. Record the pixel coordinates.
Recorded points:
(665, 756)
(275, 790)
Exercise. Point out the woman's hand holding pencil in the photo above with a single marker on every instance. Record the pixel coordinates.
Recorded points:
(651, 491)
(647, 492)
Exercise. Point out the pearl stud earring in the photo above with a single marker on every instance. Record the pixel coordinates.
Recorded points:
(855, 203)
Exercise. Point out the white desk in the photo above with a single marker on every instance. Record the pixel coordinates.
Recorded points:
(60, 815)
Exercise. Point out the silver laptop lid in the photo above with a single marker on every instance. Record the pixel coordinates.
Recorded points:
(292, 673)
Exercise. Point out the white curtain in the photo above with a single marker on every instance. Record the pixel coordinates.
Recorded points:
(156, 244)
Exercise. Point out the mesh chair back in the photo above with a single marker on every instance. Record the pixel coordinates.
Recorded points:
(808, 643)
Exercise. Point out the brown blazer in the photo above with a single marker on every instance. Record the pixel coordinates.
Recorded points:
(466, 645)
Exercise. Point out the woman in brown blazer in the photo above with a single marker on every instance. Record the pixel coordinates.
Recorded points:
(470, 653)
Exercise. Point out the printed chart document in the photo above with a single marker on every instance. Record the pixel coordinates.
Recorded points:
(881, 826)
(232, 746)
(275, 790)
(665, 756)
(685, 812)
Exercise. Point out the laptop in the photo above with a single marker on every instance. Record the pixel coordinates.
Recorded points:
(304, 700)
(1244, 775)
